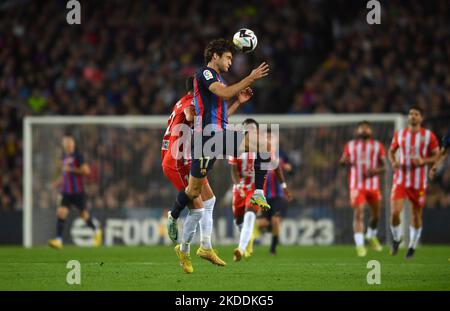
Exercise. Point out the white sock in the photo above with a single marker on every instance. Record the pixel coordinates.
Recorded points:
(240, 227)
(189, 228)
(396, 233)
(359, 238)
(259, 191)
(247, 229)
(206, 223)
(371, 233)
(414, 236)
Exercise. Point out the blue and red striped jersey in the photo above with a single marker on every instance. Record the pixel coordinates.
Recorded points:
(272, 187)
(72, 183)
(209, 108)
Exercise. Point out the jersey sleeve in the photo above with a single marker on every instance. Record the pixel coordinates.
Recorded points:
(207, 77)
(394, 143)
(232, 160)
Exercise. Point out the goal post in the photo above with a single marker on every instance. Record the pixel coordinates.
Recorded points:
(128, 179)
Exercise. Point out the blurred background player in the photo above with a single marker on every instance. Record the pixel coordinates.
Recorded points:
(72, 191)
(276, 192)
(365, 158)
(442, 154)
(244, 212)
(175, 153)
(210, 98)
(418, 148)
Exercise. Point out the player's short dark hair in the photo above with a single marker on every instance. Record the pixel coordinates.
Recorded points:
(218, 46)
(250, 121)
(417, 108)
(364, 122)
(69, 134)
(190, 84)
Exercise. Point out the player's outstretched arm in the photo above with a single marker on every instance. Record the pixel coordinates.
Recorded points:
(227, 92)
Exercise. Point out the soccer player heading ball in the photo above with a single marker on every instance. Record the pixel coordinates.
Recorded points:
(176, 168)
(211, 96)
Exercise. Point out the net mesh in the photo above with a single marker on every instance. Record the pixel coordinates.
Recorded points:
(127, 178)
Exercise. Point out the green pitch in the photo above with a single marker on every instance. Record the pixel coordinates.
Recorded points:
(156, 268)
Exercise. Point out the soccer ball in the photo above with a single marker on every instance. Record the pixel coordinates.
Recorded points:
(245, 40)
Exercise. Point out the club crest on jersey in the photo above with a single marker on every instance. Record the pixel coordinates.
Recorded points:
(208, 75)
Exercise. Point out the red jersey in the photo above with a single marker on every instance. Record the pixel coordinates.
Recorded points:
(177, 117)
(246, 170)
(413, 145)
(364, 155)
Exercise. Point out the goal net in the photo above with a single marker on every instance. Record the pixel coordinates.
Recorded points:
(128, 194)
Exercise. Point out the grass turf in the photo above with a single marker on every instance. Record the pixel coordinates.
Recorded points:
(156, 268)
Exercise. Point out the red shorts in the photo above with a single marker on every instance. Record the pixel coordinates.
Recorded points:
(361, 196)
(415, 196)
(240, 204)
(179, 177)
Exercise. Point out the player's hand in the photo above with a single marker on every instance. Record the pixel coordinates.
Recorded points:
(418, 161)
(55, 184)
(395, 165)
(260, 72)
(67, 169)
(245, 95)
(287, 167)
(371, 172)
(432, 172)
(345, 161)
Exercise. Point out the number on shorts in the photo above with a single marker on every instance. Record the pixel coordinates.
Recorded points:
(202, 162)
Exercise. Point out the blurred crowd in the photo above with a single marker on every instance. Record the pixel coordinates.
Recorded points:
(132, 57)
(387, 67)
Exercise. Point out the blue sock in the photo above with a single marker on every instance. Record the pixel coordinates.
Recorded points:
(273, 245)
(59, 228)
(260, 171)
(180, 203)
(90, 223)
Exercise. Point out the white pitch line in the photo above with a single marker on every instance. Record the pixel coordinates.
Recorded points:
(85, 263)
